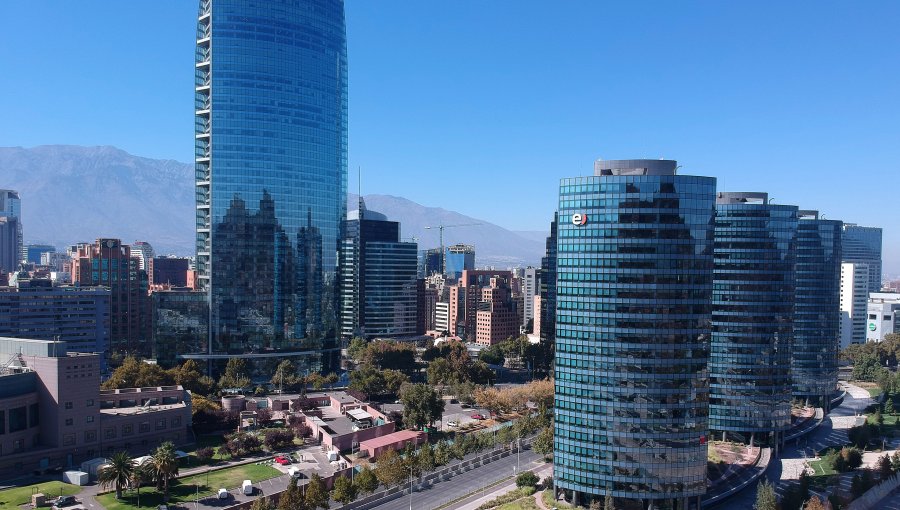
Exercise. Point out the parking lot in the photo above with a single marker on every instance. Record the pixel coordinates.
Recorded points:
(460, 414)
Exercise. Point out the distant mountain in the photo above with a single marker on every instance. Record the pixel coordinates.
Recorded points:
(494, 245)
(73, 193)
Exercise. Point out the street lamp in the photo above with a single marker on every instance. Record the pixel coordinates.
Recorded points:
(410, 485)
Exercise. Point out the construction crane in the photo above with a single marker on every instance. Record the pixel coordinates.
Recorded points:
(441, 235)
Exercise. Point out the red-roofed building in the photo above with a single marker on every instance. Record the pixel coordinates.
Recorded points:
(394, 441)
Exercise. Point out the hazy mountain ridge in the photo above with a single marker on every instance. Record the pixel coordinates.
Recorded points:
(73, 193)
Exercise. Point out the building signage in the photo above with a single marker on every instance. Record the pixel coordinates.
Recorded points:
(872, 326)
(579, 219)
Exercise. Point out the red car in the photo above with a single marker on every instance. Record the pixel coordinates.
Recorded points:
(477, 416)
(281, 459)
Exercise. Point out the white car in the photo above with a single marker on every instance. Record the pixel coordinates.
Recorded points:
(452, 424)
(223, 494)
(247, 488)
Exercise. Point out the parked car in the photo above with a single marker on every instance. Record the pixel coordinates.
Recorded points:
(452, 424)
(247, 488)
(223, 494)
(162, 507)
(477, 416)
(281, 459)
(63, 501)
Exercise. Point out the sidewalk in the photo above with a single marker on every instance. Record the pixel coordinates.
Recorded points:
(541, 470)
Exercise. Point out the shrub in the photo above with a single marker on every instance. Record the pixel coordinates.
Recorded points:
(204, 454)
(526, 479)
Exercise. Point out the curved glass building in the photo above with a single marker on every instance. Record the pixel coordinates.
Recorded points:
(271, 176)
(753, 317)
(817, 308)
(633, 293)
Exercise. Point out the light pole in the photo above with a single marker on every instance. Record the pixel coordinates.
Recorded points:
(410, 486)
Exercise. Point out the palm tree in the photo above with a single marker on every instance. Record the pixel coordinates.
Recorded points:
(118, 472)
(164, 467)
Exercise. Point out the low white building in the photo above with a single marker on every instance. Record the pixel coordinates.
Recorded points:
(882, 315)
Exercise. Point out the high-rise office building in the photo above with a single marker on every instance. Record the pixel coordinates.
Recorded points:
(10, 230)
(531, 280)
(817, 309)
(33, 252)
(884, 315)
(169, 271)
(548, 286)
(633, 294)
(855, 291)
(459, 257)
(863, 245)
(108, 263)
(271, 178)
(377, 277)
(144, 252)
(432, 262)
(496, 318)
(465, 296)
(753, 317)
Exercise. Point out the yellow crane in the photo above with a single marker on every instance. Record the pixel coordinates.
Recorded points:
(441, 235)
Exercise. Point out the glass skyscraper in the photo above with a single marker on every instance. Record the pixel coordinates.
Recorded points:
(753, 317)
(817, 308)
(633, 293)
(862, 245)
(271, 176)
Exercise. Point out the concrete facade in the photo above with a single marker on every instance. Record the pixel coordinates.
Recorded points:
(883, 315)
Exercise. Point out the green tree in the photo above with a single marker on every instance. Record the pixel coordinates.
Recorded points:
(118, 473)
(357, 349)
(411, 460)
(344, 490)
(390, 469)
(189, 376)
(866, 368)
(885, 468)
(889, 405)
(164, 467)
(492, 355)
(366, 480)
(426, 458)
(262, 504)
(291, 498)
(237, 374)
(440, 373)
(856, 486)
(441, 453)
(814, 503)
(526, 479)
(421, 405)
(765, 497)
(316, 495)
(543, 443)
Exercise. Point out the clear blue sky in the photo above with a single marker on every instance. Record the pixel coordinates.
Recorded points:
(482, 106)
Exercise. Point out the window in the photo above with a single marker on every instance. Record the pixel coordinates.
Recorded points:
(89, 419)
(109, 433)
(68, 439)
(144, 426)
(176, 422)
(69, 421)
(90, 436)
(2, 422)
(160, 424)
(17, 419)
(128, 429)
(68, 405)
(17, 445)
(90, 402)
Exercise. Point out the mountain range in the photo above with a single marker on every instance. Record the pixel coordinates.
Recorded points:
(74, 194)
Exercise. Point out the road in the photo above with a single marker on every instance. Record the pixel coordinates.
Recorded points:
(442, 493)
(832, 432)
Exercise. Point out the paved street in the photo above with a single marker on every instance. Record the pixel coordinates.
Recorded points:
(786, 470)
(460, 485)
(542, 470)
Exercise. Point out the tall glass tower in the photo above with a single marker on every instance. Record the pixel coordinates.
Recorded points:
(817, 308)
(862, 245)
(271, 177)
(633, 293)
(753, 317)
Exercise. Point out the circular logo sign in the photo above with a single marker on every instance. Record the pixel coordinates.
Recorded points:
(871, 326)
(579, 219)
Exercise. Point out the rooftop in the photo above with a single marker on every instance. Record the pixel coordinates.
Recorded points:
(394, 437)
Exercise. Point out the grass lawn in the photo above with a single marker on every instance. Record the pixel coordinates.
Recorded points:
(185, 489)
(821, 468)
(526, 503)
(874, 392)
(10, 499)
(547, 497)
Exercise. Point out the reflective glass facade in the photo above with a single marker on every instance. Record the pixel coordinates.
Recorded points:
(863, 245)
(633, 292)
(753, 316)
(817, 308)
(271, 171)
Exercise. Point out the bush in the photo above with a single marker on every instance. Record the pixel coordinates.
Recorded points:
(509, 497)
(276, 439)
(204, 455)
(526, 479)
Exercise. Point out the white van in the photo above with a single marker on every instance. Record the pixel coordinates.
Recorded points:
(293, 472)
(247, 488)
(223, 493)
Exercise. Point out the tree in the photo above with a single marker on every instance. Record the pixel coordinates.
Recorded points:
(277, 439)
(765, 497)
(356, 349)
(133, 373)
(316, 495)
(543, 443)
(526, 479)
(262, 504)
(481, 373)
(889, 405)
(286, 378)
(885, 469)
(237, 375)
(366, 480)
(441, 453)
(189, 376)
(425, 458)
(389, 468)
(344, 490)
(860, 435)
(440, 373)
(421, 405)
(164, 467)
(895, 461)
(856, 486)
(204, 455)
(291, 498)
(118, 473)
(852, 457)
(814, 503)
(608, 502)
(492, 355)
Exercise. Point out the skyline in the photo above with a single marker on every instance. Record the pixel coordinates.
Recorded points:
(790, 110)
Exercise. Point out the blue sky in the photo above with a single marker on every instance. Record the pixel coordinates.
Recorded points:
(481, 107)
